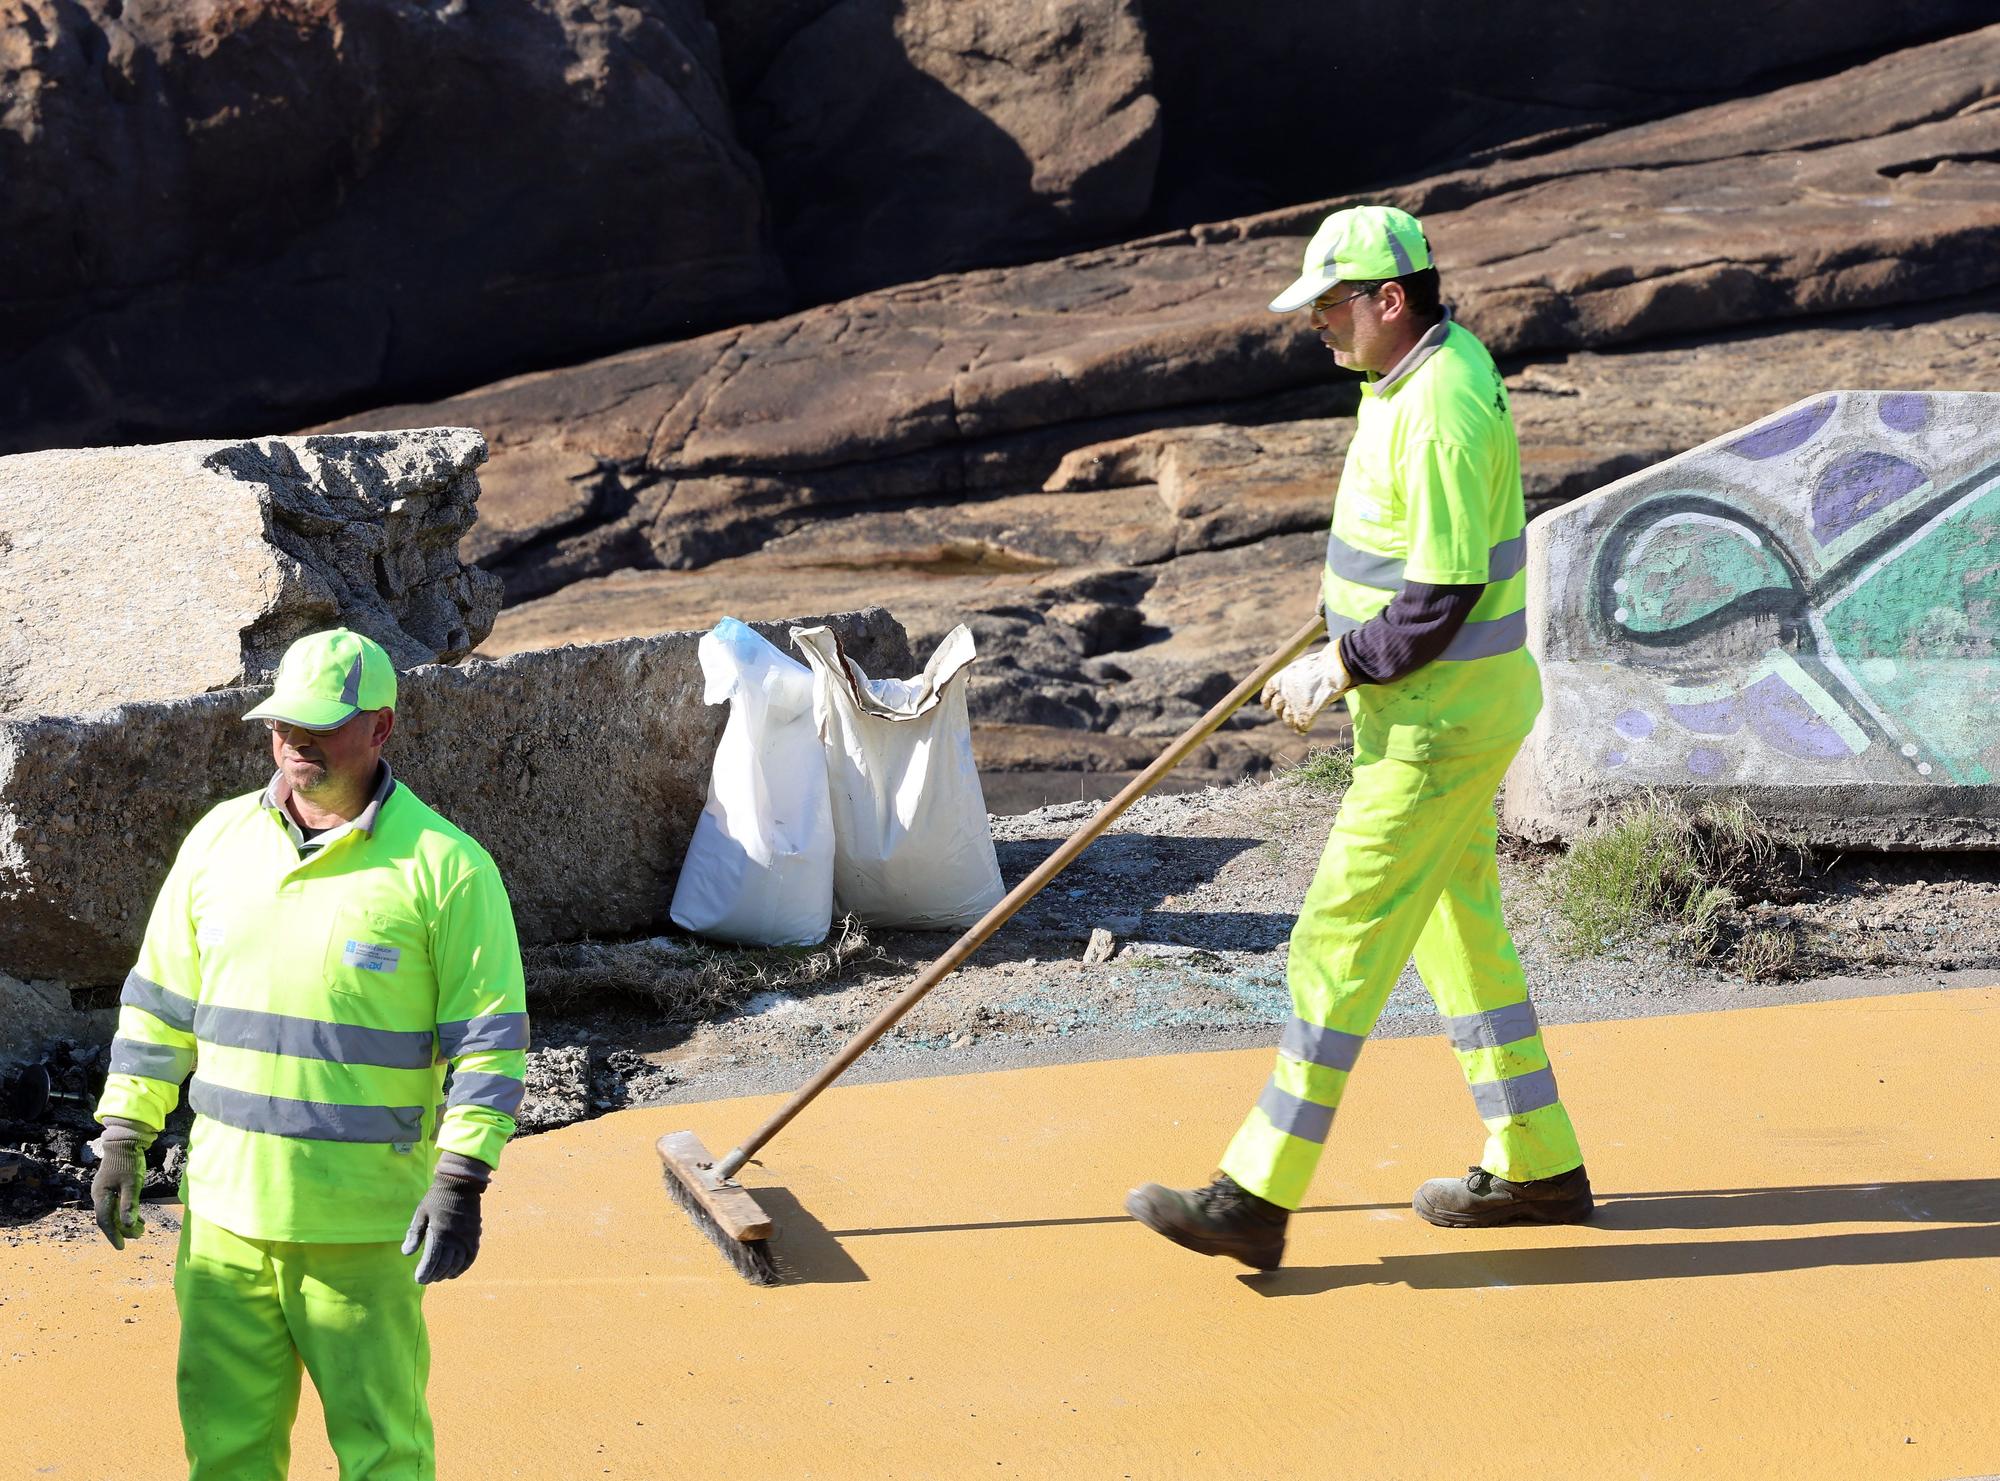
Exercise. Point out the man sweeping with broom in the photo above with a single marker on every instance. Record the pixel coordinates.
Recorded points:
(1425, 598)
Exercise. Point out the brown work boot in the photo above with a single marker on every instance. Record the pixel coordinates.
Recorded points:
(1221, 1219)
(1479, 1199)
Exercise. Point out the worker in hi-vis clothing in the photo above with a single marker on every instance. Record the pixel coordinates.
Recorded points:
(321, 952)
(1424, 592)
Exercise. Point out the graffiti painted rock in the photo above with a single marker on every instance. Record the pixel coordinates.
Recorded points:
(1804, 612)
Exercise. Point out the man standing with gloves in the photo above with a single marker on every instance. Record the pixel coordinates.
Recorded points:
(320, 953)
(1425, 598)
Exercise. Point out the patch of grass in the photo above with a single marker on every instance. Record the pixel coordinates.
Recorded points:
(1771, 953)
(683, 976)
(1326, 772)
(1660, 861)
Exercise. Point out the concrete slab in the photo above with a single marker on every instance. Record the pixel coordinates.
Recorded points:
(1793, 1274)
(582, 769)
(1804, 613)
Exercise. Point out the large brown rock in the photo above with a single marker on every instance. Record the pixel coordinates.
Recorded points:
(1154, 565)
(1292, 99)
(1873, 188)
(148, 573)
(903, 138)
(224, 218)
(581, 769)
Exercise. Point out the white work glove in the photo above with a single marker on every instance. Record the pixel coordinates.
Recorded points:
(1305, 686)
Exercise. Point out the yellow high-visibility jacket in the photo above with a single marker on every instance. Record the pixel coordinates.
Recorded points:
(317, 1003)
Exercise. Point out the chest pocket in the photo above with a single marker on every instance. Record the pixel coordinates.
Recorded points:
(1368, 510)
(378, 953)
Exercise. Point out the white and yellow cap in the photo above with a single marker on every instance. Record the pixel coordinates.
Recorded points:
(326, 679)
(1361, 244)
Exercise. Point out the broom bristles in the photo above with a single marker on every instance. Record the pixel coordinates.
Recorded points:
(751, 1259)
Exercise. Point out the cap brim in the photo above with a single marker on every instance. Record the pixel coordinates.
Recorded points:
(311, 713)
(1303, 292)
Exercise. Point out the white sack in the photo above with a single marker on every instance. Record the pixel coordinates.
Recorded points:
(911, 841)
(759, 868)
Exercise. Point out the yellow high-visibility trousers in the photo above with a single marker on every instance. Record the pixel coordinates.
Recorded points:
(1409, 868)
(254, 1311)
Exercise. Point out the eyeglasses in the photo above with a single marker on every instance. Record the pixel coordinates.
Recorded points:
(1320, 305)
(310, 737)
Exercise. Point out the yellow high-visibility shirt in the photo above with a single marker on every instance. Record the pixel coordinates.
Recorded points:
(1431, 493)
(318, 1002)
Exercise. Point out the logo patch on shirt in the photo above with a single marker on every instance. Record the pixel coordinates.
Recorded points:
(368, 956)
(207, 936)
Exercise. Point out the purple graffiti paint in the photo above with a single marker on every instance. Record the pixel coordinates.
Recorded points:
(1904, 413)
(1633, 725)
(1858, 485)
(1785, 434)
(1780, 717)
(1717, 717)
(1704, 761)
(1613, 758)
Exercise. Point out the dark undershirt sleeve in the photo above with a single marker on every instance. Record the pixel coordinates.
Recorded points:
(1416, 626)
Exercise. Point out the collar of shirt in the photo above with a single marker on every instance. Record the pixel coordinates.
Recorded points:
(279, 792)
(1422, 350)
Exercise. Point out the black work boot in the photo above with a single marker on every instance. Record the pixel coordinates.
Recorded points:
(1221, 1219)
(1479, 1199)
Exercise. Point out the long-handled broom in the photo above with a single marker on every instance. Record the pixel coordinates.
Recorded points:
(720, 1206)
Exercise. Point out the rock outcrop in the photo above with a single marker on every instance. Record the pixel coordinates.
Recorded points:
(904, 138)
(1876, 188)
(149, 573)
(1804, 613)
(364, 200)
(1098, 608)
(1294, 99)
(581, 769)
(228, 218)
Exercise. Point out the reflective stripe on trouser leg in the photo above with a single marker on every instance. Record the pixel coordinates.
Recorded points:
(252, 1309)
(1467, 960)
(1400, 828)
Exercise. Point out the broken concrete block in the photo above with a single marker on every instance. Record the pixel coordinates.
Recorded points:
(1102, 945)
(150, 573)
(581, 769)
(1804, 613)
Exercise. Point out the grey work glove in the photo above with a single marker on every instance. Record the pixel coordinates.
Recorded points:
(121, 1174)
(447, 1221)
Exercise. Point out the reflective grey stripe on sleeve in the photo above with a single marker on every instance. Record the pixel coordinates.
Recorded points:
(1504, 561)
(151, 1061)
(1491, 1029)
(1295, 1117)
(305, 1120)
(309, 1038)
(494, 1031)
(163, 1003)
(1383, 572)
(1517, 1096)
(1322, 1046)
(1339, 622)
(500, 1093)
(1488, 639)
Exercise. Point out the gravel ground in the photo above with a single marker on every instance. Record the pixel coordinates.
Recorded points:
(1197, 892)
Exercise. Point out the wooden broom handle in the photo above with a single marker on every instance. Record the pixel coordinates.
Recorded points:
(1023, 892)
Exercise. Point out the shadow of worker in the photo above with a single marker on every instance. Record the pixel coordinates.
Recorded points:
(1968, 1211)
